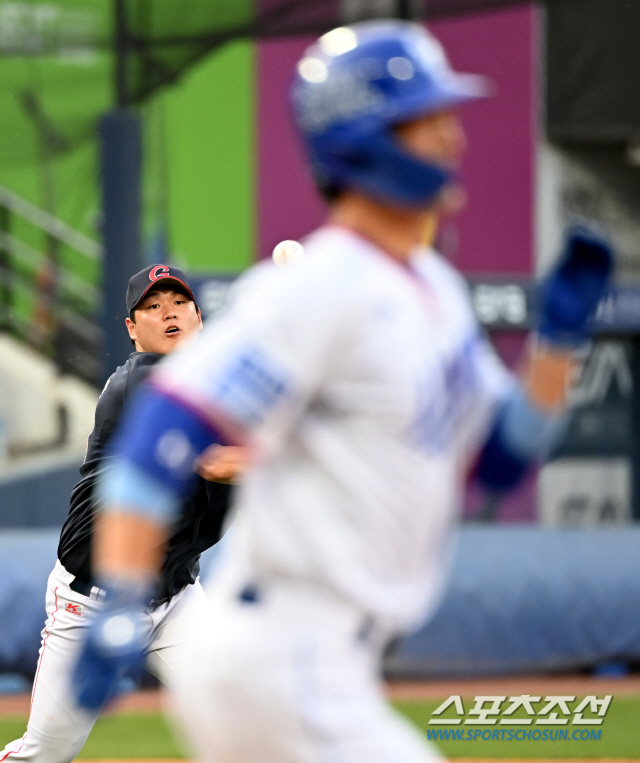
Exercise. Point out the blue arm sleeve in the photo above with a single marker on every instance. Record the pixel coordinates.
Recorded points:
(154, 456)
(522, 434)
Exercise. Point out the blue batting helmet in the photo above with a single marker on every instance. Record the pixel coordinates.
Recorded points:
(354, 85)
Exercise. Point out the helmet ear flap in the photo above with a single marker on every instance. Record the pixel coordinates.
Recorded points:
(378, 166)
(328, 188)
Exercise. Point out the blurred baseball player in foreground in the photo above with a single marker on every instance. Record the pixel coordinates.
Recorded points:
(360, 379)
(163, 313)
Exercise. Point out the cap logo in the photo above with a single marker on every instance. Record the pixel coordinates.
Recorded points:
(162, 271)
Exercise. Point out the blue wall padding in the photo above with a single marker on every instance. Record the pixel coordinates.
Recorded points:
(38, 500)
(528, 599)
(26, 559)
(520, 599)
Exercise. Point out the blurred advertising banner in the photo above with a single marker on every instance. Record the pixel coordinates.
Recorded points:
(590, 480)
(584, 492)
(593, 476)
(211, 292)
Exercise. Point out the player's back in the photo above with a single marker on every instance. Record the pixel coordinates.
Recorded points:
(358, 377)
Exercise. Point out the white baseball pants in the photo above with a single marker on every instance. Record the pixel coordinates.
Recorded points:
(57, 728)
(288, 678)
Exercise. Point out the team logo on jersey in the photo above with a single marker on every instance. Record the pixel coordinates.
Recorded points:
(445, 397)
(162, 271)
(74, 609)
(252, 385)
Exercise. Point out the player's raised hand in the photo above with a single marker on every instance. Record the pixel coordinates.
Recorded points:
(222, 463)
(114, 647)
(570, 293)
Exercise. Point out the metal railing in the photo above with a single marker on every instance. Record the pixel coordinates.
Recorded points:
(44, 299)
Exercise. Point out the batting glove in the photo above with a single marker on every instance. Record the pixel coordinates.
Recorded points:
(570, 293)
(115, 645)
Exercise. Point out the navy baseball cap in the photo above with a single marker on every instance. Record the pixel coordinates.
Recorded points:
(141, 283)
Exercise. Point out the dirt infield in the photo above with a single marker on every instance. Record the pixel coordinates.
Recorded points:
(152, 701)
(561, 684)
(142, 701)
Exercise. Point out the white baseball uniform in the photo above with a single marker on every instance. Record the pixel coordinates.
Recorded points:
(58, 728)
(365, 385)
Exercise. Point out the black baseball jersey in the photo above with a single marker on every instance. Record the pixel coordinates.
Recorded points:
(199, 524)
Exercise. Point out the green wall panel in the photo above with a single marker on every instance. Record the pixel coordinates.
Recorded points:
(210, 157)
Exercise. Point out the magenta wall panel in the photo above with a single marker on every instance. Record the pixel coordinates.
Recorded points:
(287, 205)
(494, 232)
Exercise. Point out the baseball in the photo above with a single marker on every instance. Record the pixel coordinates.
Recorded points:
(287, 251)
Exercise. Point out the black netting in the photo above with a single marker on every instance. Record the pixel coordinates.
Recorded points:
(64, 62)
(163, 38)
(593, 73)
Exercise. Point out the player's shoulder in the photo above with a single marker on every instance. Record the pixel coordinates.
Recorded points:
(436, 268)
(443, 276)
(333, 247)
(332, 241)
(451, 287)
(339, 275)
(363, 271)
(139, 361)
(325, 272)
(131, 372)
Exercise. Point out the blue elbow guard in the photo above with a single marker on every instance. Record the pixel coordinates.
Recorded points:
(162, 439)
(522, 434)
(499, 467)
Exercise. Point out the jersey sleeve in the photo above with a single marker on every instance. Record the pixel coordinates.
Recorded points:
(252, 371)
